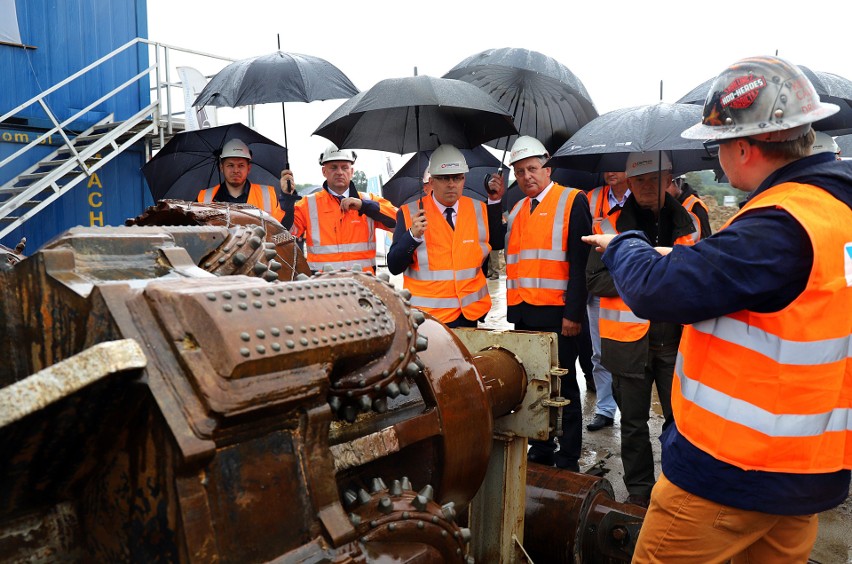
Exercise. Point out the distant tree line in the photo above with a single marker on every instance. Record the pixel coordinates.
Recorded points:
(704, 182)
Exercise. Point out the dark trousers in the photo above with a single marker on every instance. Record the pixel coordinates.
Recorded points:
(572, 417)
(584, 348)
(462, 321)
(633, 397)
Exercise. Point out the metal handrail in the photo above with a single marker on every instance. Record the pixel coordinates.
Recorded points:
(161, 123)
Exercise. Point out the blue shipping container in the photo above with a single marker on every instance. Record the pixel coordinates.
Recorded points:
(65, 37)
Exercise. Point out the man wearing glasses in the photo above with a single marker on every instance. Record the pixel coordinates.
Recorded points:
(338, 223)
(441, 241)
(761, 440)
(545, 280)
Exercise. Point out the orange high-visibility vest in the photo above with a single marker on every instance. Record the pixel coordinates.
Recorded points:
(602, 222)
(536, 249)
(689, 204)
(773, 391)
(261, 197)
(445, 278)
(337, 239)
(617, 321)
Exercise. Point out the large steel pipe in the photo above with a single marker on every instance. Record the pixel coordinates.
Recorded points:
(573, 517)
(504, 377)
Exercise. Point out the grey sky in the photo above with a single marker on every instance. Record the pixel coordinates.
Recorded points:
(619, 50)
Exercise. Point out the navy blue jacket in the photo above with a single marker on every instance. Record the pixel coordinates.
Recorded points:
(761, 262)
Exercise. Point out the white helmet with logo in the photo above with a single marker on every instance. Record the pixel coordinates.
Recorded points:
(235, 148)
(332, 153)
(824, 143)
(763, 97)
(644, 163)
(525, 147)
(446, 159)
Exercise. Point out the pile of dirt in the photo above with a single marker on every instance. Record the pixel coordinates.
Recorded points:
(718, 214)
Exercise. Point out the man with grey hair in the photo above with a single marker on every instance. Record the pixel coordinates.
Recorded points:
(545, 285)
(639, 353)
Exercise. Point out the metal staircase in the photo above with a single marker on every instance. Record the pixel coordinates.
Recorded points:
(82, 153)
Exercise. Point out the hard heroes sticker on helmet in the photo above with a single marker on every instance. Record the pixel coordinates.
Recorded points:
(742, 91)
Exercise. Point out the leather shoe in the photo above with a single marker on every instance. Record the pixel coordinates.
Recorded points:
(541, 458)
(599, 422)
(640, 500)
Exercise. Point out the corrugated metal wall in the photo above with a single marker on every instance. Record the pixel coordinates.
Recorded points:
(67, 36)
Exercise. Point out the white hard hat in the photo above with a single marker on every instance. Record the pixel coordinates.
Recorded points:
(765, 97)
(643, 163)
(525, 147)
(332, 153)
(446, 159)
(235, 148)
(824, 143)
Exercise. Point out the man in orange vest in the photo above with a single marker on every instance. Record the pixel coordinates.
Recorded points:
(761, 440)
(441, 242)
(545, 286)
(692, 203)
(640, 354)
(603, 200)
(338, 223)
(235, 165)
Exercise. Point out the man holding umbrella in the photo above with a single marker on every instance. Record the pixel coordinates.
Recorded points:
(235, 165)
(441, 242)
(639, 353)
(338, 223)
(761, 440)
(545, 283)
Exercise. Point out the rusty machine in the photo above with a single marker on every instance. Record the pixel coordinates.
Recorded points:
(183, 390)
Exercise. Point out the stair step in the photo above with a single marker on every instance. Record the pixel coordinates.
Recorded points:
(66, 154)
(88, 139)
(39, 175)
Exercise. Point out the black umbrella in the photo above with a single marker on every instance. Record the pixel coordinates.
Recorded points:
(276, 77)
(405, 185)
(830, 87)
(547, 100)
(417, 113)
(604, 143)
(188, 163)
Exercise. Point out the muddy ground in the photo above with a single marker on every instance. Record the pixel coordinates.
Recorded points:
(834, 542)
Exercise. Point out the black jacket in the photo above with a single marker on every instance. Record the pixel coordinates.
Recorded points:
(628, 359)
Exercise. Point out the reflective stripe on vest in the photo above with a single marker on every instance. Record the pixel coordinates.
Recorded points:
(773, 391)
(619, 323)
(459, 286)
(600, 211)
(689, 204)
(316, 247)
(536, 261)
